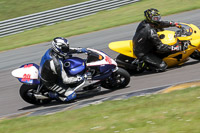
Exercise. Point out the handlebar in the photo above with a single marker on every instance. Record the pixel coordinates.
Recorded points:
(185, 30)
(182, 32)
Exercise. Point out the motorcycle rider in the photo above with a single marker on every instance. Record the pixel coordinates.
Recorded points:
(52, 71)
(147, 43)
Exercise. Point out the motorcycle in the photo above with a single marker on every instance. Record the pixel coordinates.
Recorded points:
(99, 69)
(188, 35)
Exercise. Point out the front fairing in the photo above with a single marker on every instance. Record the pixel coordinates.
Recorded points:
(99, 58)
(192, 34)
(187, 32)
(100, 64)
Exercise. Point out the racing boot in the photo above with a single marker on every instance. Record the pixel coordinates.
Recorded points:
(162, 67)
(69, 95)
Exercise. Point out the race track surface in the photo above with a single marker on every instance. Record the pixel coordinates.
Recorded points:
(11, 103)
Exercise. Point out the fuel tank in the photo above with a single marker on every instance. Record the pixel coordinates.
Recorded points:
(74, 66)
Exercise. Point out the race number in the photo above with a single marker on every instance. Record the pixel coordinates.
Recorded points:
(107, 59)
(26, 77)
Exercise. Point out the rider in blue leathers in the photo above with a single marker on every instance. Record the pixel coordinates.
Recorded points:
(52, 71)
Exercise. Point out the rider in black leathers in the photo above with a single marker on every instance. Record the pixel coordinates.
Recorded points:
(52, 72)
(147, 43)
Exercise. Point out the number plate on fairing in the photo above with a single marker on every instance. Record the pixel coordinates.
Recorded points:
(27, 73)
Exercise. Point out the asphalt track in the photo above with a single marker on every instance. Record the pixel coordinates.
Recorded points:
(11, 103)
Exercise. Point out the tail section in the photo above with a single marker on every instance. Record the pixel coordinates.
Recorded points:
(27, 73)
(123, 47)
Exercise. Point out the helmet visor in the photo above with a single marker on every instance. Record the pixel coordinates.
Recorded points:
(65, 48)
(156, 18)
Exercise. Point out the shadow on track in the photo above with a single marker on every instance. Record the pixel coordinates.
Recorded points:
(80, 97)
(168, 69)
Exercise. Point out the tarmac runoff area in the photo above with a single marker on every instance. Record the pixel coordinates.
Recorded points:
(80, 104)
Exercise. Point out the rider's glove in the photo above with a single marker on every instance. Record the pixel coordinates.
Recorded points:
(175, 24)
(84, 50)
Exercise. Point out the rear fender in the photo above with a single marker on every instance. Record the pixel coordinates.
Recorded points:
(27, 74)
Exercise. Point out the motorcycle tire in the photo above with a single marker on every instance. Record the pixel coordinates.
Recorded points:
(195, 55)
(118, 80)
(26, 90)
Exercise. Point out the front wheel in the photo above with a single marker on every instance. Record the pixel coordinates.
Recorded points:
(195, 55)
(117, 80)
(26, 93)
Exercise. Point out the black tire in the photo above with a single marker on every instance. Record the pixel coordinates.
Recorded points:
(195, 55)
(118, 80)
(125, 62)
(25, 93)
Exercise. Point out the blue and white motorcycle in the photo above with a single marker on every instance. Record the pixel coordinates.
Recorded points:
(99, 69)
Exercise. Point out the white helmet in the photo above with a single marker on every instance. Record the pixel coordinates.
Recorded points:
(60, 46)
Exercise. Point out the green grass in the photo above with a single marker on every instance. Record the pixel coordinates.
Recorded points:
(16, 8)
(105, 19)
(176, 112)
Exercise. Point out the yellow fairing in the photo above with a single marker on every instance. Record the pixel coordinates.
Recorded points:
(123, 47)
(168, 37)
(195, 38)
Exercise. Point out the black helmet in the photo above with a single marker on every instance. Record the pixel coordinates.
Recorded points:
(60, 46)
(152, 15)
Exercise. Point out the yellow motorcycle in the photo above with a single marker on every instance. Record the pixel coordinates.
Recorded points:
(188, 35)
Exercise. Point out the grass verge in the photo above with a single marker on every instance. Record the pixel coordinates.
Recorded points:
(105, 19)
(178, 111)
(16, 8)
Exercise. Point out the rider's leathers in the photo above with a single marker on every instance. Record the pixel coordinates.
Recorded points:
(53, 75)
(147, 44)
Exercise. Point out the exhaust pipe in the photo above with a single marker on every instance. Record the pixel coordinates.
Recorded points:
(39, 96)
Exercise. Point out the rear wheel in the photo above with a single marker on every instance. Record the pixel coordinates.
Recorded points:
(117, 80)
(26, 93)
(195, 55)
